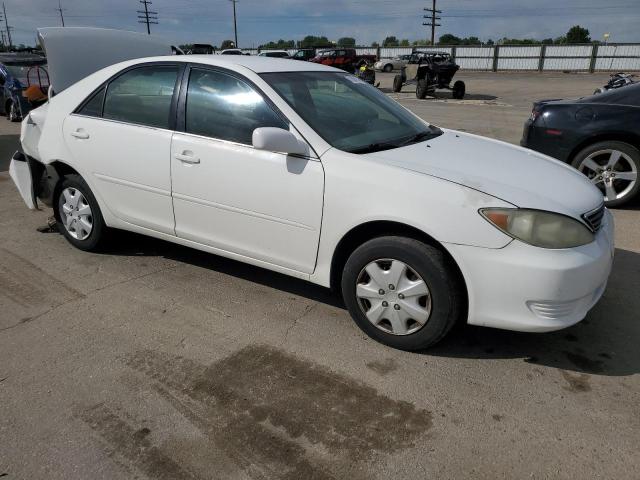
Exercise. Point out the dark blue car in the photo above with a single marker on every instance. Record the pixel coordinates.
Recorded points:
(24, 82)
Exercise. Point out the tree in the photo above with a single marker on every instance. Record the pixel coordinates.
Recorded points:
(547, 41)
(489, 42)
(404, 42)
(560, 40)
(313, 41)
(390, 42)
(470, 41)
(280, 44)
(227, 44)
(375, 44)
(448, 39)
(346, 42)
(420, 43)
(577, 34)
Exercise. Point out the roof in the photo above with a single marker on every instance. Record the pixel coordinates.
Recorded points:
(252, 62)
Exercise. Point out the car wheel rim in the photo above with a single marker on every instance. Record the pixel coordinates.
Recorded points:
(75, 213)
(393, 297)
(612, 171)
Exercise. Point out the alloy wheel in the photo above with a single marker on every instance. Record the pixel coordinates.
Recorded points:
(75, 213)
(393, 296)
(612, 171)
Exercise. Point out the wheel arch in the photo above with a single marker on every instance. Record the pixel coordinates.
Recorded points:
(626, 137)
(46, 178)
(380, 228)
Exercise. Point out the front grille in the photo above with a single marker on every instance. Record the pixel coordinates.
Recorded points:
(594, 218)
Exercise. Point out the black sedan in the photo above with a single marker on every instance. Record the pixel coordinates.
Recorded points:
(598, 135)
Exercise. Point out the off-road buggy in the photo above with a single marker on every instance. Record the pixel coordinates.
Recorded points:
(429, 71)
(617, 80)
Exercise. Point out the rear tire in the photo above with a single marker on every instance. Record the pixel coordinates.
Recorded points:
(397, 83)
(388, 68)
(78, 214)
(627, 165)
(443, 302)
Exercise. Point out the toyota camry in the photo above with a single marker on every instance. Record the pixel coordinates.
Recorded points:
(306, 170)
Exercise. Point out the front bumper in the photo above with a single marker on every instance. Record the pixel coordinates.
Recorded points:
(530, 289)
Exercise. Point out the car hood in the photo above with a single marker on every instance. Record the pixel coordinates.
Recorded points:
(519, 176)
(73, 53)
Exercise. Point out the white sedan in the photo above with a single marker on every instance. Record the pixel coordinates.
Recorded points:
(308, 171)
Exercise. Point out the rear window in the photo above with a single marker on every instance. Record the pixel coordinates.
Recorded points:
(142, 96)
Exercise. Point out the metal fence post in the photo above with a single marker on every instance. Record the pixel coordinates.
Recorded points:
(594, 57)
(453, 53)
(496, 54)
(543, 54)
(378, 52)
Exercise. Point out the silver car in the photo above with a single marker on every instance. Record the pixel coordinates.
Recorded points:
(389, 64)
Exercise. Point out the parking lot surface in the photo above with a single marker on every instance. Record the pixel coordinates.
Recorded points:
(151, 360)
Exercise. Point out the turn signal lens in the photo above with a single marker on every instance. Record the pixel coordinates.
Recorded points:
(539, 228)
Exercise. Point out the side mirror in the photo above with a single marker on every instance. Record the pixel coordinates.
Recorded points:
(275, 139)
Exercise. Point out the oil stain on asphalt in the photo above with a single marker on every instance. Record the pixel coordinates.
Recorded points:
(273, 414)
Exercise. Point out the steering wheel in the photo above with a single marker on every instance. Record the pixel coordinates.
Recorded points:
(40, 72)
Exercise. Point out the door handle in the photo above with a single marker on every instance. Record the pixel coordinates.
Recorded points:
(187, 158)
(80, 133)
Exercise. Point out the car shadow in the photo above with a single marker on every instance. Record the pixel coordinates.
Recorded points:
(605, 343)
(132, 244)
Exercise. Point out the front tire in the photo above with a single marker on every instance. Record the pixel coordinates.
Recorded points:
(422, 88)
(78, 214)
(613, 167)
(402, 292)
(459, 89)
(388, 68)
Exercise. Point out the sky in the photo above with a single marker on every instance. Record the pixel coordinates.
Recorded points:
(211, 21)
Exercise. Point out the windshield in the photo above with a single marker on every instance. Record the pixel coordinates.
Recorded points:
(348, 113)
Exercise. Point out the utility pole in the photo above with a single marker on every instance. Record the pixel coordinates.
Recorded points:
(6, 23)
(60, 9)
(235, 24)
(147, 16)
(434, 18)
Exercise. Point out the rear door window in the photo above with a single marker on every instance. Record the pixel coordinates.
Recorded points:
(142, 96)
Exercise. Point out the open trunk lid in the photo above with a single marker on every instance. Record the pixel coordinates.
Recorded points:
(73, 53)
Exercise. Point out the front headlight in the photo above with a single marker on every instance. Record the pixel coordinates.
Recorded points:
(539, 228)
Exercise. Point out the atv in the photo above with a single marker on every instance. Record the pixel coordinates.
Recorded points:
(429, 71)
(617, 80)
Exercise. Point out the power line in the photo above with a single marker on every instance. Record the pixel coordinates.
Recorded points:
(235, 24)
(60, 9)
(147, 16)
(434, 18)
(8, 28)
